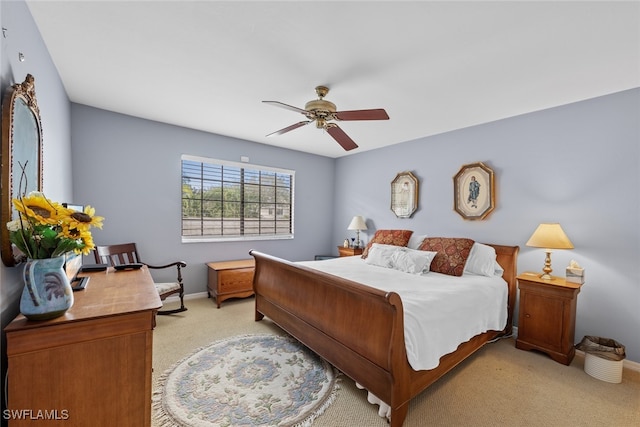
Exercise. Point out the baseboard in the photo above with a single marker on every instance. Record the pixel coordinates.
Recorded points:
(631, 365)
(196, 295)
(187, 296)
(626, 364)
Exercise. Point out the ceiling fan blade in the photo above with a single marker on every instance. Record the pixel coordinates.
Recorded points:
(288, 107)
(375, 114)
(342, 138)
(290, 128)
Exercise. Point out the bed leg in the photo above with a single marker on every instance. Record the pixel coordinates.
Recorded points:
(259, 316)
(398, 415)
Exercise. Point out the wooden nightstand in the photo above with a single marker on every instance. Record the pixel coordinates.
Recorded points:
(547, 318)
(230, 279)
(349, 251)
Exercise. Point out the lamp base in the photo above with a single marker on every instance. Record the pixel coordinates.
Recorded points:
(546, 275)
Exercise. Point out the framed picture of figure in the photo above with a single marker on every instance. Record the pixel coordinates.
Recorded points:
(474, 191)
(404, 194)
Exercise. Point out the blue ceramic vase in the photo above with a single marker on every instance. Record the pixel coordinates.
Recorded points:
(47, 293)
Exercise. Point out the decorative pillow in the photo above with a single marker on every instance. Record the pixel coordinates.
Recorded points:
(452, 254)
(389, 237)
(411, 260)
(481, 261)
(416, 240)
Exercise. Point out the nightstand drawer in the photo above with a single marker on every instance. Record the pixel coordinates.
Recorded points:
(349, 251)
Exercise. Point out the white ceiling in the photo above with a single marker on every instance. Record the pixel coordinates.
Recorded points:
(434, 66)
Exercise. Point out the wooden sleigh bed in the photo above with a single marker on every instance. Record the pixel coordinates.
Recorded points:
(359, 329)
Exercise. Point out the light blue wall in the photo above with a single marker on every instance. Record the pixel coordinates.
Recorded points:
(129, 170)
(22, 35)
(578, 165)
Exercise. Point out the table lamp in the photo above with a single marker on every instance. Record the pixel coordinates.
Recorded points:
(549, 236)
(357, 223)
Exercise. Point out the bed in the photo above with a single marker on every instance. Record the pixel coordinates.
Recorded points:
(361, 329)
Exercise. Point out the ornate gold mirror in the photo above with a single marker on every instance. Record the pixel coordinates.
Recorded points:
(21, 150)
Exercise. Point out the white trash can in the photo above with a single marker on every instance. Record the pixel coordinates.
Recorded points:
(603, 359)
(603, 369)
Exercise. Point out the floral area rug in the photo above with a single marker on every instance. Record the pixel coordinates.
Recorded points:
(251, 380)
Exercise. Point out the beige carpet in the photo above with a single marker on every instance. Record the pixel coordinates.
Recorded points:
(498, 386)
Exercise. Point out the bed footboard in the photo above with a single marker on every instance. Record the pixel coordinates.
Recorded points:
(358, 329)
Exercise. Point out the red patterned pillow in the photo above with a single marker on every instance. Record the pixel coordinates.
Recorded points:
(388, 237)
(452, 254)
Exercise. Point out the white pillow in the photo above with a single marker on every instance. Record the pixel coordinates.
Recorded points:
(400, 258)
(412, 261)
(380, 255)
(415, 240)
(482, 261)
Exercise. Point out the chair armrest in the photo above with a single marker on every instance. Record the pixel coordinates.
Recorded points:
(179, 264)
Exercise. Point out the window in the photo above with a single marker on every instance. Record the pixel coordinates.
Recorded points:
(224, 200)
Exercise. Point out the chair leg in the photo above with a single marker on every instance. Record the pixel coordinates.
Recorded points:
(182, 307)
(175, 310)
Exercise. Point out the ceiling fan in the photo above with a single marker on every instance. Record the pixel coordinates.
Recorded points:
(323, 112)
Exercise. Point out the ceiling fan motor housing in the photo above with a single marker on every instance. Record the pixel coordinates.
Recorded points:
(320, 109)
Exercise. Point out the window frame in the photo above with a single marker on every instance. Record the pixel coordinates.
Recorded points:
(240, 165)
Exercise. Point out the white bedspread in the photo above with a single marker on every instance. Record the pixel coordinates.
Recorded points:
(440, 311)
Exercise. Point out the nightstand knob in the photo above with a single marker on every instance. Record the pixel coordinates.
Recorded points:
(527, 315)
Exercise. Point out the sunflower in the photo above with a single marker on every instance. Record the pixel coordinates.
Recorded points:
(79, 239)
(87, 239)
(84, 220)
(37, 207)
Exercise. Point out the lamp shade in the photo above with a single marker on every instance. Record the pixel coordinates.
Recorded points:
(357, 223)
(549, 236)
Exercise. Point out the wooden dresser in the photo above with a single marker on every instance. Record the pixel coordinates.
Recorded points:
(547, 318)
(91, 366)
(230, 279)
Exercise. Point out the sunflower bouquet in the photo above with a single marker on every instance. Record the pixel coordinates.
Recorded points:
(46, 229)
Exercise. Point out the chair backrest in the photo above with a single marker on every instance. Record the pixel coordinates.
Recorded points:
(124, 253)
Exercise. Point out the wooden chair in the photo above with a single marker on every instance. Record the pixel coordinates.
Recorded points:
(127, 253)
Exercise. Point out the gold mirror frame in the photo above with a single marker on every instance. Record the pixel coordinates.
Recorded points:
(21, 150)
(474, 191)
(404, 194)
